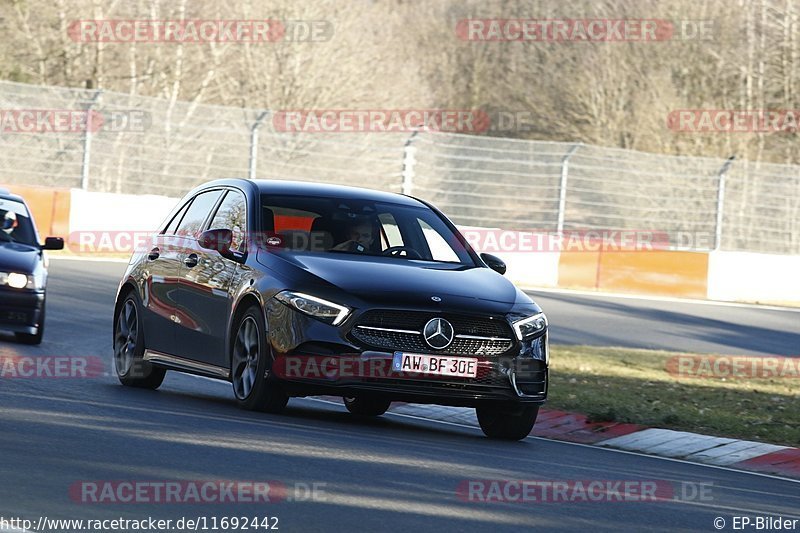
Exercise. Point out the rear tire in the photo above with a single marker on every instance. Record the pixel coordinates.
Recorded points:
(132, 370)
(507, 424)
(366, 406)
(250, 362)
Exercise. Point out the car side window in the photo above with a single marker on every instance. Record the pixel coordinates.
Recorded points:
(232, 215)
(201, 206)
(390, 232)
(172, 228)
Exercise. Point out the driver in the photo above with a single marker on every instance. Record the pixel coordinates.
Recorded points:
(9, 221)
(361, 235)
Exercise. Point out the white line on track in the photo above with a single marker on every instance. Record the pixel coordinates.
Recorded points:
(671, 299)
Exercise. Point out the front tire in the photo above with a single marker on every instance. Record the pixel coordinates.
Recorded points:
(27, 338)
(132, 370)
(249, 364)
(366, 406)
(507, 424)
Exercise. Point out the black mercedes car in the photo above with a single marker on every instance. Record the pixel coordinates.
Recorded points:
(23, 270)
(295, 289)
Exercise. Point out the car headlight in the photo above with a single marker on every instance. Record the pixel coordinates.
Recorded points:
(530, 327)
(329, 312)
(16, 280)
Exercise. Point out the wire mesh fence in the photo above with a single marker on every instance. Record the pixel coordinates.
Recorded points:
(133, 144)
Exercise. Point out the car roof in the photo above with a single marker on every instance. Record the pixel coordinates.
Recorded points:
(5, 194)
(322, 190)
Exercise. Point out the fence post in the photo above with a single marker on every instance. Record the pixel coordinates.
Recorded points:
(562, 195)
(87, 142)
(254, 145)
(409, 161)
(723, 176)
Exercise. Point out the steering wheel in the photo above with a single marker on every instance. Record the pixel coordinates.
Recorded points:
(395, 251)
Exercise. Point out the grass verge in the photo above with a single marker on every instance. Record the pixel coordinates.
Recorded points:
(625, 385)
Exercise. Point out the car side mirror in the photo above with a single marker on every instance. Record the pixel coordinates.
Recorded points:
(53, 243)
(494, 262)
(217, 239)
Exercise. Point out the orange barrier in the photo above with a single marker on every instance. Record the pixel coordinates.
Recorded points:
(50, 208)
(666, 273)
(683, 274)
(578, 270)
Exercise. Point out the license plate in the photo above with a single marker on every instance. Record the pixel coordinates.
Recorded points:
(15, 316)
(435, 365)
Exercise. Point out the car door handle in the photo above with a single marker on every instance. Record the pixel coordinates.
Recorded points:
(191, 260)
(154, 253)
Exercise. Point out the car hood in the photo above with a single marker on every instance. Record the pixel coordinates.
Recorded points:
(16, 257)
(407, 282)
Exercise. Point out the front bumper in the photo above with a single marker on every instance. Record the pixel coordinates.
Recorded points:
(21, 311)
(313, 358)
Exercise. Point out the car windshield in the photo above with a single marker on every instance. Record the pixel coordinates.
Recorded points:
(359, 227)
(15, 223)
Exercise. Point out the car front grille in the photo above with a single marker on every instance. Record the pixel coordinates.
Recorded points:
(402, 331)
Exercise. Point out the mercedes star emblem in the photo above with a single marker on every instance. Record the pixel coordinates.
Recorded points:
(438, 333)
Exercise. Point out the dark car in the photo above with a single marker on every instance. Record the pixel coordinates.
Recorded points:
(23, 270)
(296, 289)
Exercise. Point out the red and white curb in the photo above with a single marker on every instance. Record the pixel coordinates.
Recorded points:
(693, 447)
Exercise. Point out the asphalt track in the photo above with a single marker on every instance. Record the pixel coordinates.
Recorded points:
(684, 326)
(395, 473)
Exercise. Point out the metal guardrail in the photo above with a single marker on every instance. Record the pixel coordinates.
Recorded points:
(156, 146)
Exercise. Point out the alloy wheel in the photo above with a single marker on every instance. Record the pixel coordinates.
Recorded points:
(246, 351)
(125, 338)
